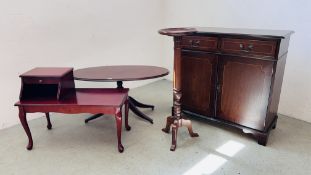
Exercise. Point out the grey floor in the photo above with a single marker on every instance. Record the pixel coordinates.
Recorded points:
(73, 147)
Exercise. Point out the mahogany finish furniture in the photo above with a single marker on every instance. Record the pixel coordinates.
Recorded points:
(52, 90)
(119, 74)
(229, 76)
(47, 83)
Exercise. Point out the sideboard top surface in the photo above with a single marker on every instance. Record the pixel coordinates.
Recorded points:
(227, 31)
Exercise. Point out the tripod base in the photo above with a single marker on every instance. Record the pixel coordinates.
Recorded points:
(133, 104)
(93, 117)
(176, 123)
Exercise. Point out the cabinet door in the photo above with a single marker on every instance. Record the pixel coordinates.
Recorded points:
(243, 90)
(198, 82)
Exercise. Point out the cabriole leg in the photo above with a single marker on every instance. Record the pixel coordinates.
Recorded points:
(118, 116)
(22, 118)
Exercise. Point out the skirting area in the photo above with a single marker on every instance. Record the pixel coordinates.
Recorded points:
(73, 147)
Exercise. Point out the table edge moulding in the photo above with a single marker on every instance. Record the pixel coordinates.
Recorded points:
(230, 65)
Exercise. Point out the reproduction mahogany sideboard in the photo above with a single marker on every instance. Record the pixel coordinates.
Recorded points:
(229, 76)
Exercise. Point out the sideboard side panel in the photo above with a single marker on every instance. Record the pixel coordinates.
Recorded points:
(275, 91)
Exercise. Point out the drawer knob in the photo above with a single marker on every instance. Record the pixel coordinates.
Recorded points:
(40, 81)
(195, 43)
(248, 49)
(241, 46)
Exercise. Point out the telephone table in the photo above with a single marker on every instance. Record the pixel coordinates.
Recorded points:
(53, 90)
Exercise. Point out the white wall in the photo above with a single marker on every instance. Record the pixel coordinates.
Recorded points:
(75, 33)
(266, 14)
(82, 33)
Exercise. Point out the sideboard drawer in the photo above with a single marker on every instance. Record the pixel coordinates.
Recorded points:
(199, 43)
(38, 80)
(246, 46)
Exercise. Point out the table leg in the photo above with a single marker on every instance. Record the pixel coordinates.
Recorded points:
(133, 104)
(118, 116)
(139, 104)
(49, 125)
(93, 117)
(127, 126)
(174, 136)
(136, 111)
(22, 118)
(175, 124)
(169, 121)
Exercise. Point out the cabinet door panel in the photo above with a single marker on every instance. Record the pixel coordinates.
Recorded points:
(198, 83)
(244, 90)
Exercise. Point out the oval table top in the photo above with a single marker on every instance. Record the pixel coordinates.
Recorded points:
(119, 73)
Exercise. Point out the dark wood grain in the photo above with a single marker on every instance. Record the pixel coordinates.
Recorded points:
(178, 31)
(249, 46)
(176, 120)
(54, 83)
(82, 97)
(47, 72)
(232, 32)
(120, 73)
(199, 43)
(94, 101)
(198, 70)
(54, 91)
(275, 93)
(246, 91)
